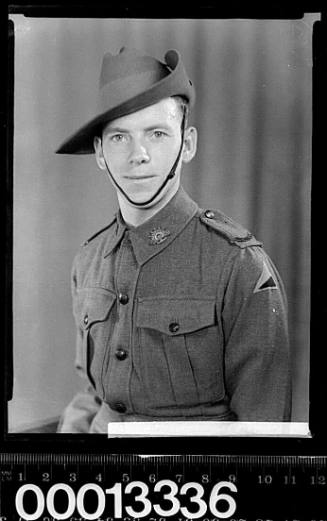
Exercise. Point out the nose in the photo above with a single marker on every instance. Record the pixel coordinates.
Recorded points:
(139, 153)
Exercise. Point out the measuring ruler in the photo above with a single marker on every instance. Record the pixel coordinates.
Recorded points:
(78, 487)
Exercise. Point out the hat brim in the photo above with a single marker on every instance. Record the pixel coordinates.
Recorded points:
(175, 83)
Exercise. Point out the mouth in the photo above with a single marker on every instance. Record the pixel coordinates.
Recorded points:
(139, 177)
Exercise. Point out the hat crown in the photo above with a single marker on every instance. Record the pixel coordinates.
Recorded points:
(130, 62)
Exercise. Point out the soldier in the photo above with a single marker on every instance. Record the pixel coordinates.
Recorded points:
(180, 313)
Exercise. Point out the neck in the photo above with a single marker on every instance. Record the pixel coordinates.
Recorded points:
(135, 216)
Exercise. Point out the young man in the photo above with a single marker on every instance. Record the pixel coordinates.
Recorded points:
(180, 313)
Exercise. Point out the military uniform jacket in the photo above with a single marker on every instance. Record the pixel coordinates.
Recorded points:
(183, 317)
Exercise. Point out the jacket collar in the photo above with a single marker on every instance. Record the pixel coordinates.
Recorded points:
(157, 233)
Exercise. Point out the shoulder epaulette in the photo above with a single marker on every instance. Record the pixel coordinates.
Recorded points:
(85, 243)
(231, 230)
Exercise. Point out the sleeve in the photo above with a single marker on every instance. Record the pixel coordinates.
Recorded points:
(80, 412)
(257, 358)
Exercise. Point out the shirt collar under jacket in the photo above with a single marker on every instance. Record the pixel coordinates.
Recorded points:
(157, 233)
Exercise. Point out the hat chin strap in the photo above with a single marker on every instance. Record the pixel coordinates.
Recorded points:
(168, 178)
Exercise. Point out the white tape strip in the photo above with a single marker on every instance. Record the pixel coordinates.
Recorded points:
(207, 428)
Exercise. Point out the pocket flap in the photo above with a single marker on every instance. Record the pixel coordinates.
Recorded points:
(175, 316)
(93, 305)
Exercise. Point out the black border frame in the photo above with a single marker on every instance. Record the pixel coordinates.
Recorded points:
(97, 444)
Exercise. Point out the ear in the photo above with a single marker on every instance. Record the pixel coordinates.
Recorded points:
(97, 143)
(190, 144)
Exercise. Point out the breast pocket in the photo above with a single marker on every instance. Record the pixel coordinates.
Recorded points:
(181, 353)
(92, 309)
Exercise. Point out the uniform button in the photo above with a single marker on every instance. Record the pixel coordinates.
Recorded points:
(121, 354)
(86, 319)
(173, 327)
(123, 299)
(209, 214)
(119, 407)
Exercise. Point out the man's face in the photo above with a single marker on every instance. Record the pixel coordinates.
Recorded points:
(141, 148)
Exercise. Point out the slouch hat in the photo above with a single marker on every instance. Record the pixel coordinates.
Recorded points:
(130, 81)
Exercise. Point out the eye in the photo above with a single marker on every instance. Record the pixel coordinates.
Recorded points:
(117, 138)
(158, 134)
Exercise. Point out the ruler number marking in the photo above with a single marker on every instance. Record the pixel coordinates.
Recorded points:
(290, 480)
(318, 480)
(232, 478)
(265, 479)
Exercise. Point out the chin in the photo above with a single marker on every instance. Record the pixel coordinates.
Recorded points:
(142, 196)
(144, 199)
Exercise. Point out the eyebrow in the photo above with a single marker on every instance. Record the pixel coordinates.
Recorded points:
(116, 129)
(120, 130)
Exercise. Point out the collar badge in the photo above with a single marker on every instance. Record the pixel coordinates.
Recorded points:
(158, 235)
